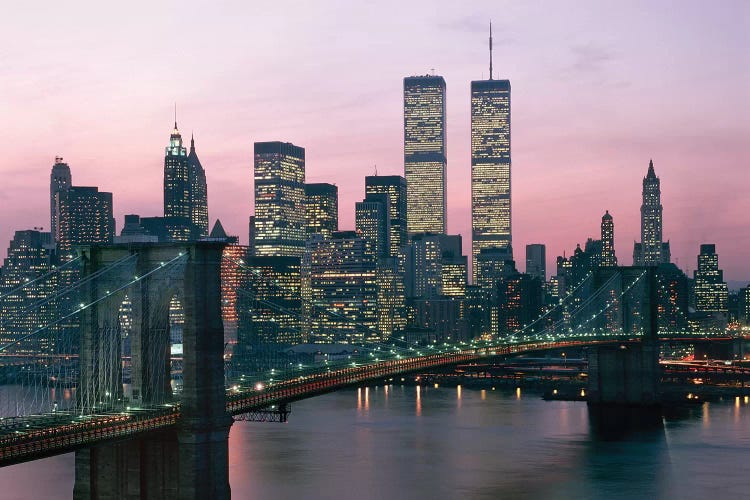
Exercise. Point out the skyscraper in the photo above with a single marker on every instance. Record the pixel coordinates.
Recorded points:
(84, 217)
(60, 180)
(344, 290)
(425, 153)
(198, 194)
(372, 222)
(436, 266)
(279, 199)
(395, 187)
(711, 292)
(30, 256)
(608, 240)
(321, 209)
(177, 188)
(651, 251)
(536, 261)
(490, 166)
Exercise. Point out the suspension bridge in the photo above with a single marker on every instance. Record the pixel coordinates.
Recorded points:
(74, 382)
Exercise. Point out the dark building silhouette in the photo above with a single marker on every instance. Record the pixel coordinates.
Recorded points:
(608, 240)
(60, 180)
(395, 187)
(520, 301)
(536, 261)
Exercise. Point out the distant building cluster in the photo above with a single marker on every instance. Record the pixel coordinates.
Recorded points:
(397, 275)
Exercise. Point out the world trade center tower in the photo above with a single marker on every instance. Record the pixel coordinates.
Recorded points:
(490, 166)
(424, 153)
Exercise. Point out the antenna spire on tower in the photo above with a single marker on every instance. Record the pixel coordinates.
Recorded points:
(490, 50)
(175, 115)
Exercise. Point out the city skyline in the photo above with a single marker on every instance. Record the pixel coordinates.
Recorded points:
(558, 197)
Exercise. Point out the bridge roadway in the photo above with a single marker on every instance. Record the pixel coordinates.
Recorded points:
(37, 436)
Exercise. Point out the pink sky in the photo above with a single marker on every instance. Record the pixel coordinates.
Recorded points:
(598, 89)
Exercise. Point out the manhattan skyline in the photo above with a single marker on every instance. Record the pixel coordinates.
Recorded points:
(592, 105)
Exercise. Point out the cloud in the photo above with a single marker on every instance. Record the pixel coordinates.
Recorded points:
(590, 58)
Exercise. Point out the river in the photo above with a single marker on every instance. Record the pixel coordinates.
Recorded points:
(458, 443)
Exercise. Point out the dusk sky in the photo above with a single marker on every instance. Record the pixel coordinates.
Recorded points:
(598, 88)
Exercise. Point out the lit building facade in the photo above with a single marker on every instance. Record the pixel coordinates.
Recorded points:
(372, 222)
(711, 291)
(490, 167)
(321, 209)
(84, 217)
(608, 240)
(344, 290)
(270, 303)
(395, 187)
(279, 224)
(198, 194)
(425, 153)
(651, 251)
(391, 295)
(29, 256)
(435, 266)
(177, 189)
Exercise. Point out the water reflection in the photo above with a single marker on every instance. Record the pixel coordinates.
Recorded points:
(348, 444)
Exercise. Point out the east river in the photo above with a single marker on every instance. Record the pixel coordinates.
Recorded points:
(402, 442)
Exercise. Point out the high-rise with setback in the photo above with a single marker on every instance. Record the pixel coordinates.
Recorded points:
(279, 224)
(177, 188)
(651, 251)
(198, 193)
(425, 153)
(608, 240)
(490, 166)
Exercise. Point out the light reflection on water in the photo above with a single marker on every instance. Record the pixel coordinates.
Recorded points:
(415, 443)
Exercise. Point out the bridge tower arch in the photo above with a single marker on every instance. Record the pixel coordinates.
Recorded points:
(191, 462)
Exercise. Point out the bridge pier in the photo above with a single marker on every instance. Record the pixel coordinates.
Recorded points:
(192, 461)
(138, 469)
(628, 374)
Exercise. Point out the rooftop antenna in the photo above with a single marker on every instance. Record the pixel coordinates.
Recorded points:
(376, 170)
(175, 114)
(490, 50)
